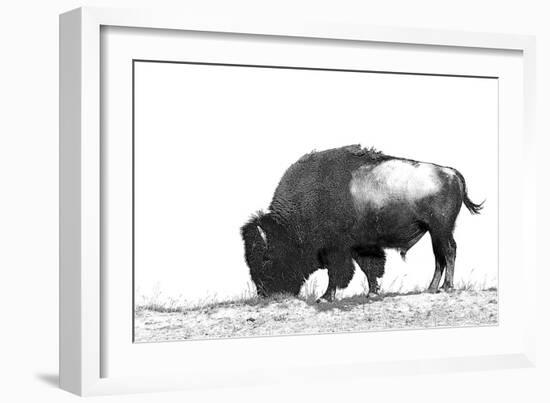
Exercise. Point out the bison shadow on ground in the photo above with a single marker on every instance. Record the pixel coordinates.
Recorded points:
(349, 303)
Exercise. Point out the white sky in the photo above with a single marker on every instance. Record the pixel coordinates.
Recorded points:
(211, 144)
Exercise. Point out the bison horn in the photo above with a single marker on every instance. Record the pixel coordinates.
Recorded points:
(262, 234)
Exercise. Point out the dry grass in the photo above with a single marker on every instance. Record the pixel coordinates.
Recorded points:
(284, 315)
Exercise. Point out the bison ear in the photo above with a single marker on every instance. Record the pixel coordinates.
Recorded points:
(277, 230)
(270, 225)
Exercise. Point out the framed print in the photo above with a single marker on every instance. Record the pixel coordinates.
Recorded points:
(249, 192)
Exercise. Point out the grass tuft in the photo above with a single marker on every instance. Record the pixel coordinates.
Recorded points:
(309, 291)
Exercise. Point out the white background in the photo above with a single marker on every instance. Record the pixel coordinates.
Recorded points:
(28, 159)
(212, 142)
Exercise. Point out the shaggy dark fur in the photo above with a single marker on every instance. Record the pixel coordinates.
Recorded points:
(314, 223)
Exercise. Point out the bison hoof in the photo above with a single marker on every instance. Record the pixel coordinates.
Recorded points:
(432, 290)
(373, 295)
(322, 300)
(448, 289)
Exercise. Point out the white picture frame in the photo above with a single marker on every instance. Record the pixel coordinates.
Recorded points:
(82, 305)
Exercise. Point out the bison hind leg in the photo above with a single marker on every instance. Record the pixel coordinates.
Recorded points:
(444, 248)
(450, 256)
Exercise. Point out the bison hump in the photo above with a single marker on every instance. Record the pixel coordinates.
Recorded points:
(354, 150)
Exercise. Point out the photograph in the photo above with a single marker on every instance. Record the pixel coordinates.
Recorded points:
(292, 200)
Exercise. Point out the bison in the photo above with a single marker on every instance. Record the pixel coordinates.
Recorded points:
(351, 203)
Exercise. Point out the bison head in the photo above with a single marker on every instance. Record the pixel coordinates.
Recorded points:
(273, 256)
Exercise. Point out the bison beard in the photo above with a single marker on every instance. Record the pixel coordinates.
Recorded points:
(349, 204)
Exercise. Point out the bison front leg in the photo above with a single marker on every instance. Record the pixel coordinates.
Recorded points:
(340, 272)
(373, 265)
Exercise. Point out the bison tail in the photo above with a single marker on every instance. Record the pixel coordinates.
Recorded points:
(472, 207)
